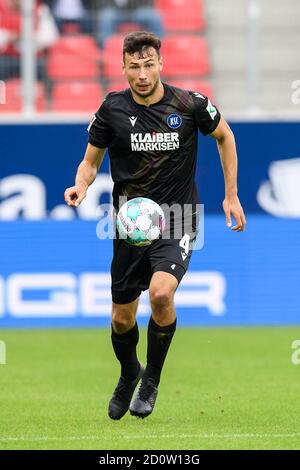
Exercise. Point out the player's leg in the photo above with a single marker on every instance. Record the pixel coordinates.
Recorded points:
(125, 336)
(128, 270)
(161, 329)
(162, 323)
(169, 260)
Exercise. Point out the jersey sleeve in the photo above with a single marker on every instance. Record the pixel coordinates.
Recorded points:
(207, 116)
(99, 130)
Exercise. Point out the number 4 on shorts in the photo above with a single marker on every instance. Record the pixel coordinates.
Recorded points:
(185, 243)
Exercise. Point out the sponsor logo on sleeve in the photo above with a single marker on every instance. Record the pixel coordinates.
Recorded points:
(212, 111)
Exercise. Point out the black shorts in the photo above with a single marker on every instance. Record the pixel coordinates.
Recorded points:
(132, 267)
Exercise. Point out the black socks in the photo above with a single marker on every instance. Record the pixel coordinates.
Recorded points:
(159, 340)
(125, 349)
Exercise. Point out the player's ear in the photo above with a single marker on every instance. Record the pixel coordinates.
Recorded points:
(123, 68)
(161, 64)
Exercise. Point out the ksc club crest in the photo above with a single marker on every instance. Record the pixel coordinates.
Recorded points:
(174, 121)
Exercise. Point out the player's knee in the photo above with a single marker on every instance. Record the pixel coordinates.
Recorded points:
(122, 320)
(161, 297)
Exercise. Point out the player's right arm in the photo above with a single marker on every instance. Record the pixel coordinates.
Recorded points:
(86, 175)
(99, 138)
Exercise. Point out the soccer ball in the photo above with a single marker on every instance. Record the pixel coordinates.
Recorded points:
(140, 221)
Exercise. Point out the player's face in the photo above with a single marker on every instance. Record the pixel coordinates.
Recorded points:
(143, 74)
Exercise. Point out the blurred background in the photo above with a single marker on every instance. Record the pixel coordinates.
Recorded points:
(58, 60)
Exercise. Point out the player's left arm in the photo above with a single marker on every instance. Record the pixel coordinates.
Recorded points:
(228, 155)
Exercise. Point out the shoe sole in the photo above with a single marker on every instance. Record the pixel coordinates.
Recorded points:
(138, 415)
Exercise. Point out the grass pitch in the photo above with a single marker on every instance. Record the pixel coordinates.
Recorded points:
(231, 388)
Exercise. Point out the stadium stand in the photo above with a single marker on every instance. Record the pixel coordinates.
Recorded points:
(76, 66)
(112, 57)
(14, 96)
(228, 36)
(76, 96)
(74, 57)
(179, 61)
(180, 17)
(220, 44)
(114, 13)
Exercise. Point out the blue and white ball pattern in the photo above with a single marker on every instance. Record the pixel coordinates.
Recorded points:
(140, 221)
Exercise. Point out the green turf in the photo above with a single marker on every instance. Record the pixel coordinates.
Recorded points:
(221, 389)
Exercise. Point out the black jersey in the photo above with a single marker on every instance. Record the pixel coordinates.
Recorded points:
(153, 149)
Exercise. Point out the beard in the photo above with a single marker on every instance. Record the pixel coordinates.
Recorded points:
(149, 93)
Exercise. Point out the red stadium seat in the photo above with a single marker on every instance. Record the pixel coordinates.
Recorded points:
(185, 56)
(128, 27)
(199, 86)
(112, 56)
(182, 16)
(13, 92)
(76, 96)
(71, 28)
(79, 44)
(74, 57)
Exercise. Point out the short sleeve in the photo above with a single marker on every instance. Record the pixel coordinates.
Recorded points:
(99, 130)
(207, 116)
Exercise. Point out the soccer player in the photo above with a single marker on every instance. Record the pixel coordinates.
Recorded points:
(150, 130)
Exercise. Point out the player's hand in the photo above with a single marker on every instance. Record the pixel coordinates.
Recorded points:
(75, 195)
(232, 207)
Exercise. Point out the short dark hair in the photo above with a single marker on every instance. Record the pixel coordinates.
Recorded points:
(141, 41)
